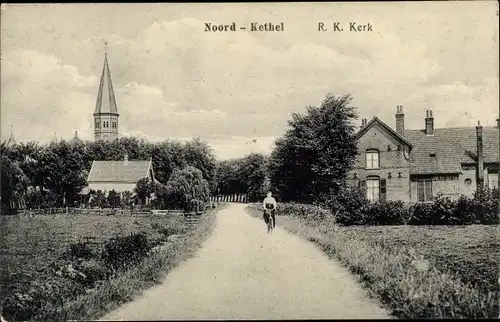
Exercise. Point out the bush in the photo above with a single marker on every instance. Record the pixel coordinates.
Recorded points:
(387, 213)
(120, 251)
(485, 206)
(80, 250)
(349, 206)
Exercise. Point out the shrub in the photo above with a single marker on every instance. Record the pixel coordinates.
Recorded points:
(308, 212)
(349, 206)
(387, 213)
(80, 250)
(120, 251)
(486, 205)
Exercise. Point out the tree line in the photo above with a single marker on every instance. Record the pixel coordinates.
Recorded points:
(308, 164)
(54, 174)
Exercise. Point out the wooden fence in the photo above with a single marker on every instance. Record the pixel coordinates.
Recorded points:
(96, 211)
(242, 198)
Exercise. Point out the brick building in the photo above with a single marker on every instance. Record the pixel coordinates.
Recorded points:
(417, 165)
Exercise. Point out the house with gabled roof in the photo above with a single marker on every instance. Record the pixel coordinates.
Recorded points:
(119, 176)
(418, 165)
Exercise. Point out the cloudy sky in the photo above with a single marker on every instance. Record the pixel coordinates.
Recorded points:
(237, 89)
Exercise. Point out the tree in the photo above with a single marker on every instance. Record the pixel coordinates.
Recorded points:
(254, 172)
(187, 189)
(126, 199)
(13, 184)
(98, 199)
(311, 160)
(143, 190)
(114, 199)
(199, 154)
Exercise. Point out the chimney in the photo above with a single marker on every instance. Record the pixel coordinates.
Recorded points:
(400, 120)
(125, 159)
(429, 123)
(480, 158)
(363, 123)
(498, 123)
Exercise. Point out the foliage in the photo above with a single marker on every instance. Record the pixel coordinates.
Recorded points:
(247, 175)
(98, 199)
(126, 250)
(187, 189)
(46, 261)
(350, 207)
(13, 182)
(114, 199)
(143, 189)
(317, 150)
(58, 170)
(126, 199)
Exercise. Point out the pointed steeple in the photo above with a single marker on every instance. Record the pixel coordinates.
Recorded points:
(106, 101)
(106, 113)
(11, 140)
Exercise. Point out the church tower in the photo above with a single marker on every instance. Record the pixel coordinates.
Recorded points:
(106, 112)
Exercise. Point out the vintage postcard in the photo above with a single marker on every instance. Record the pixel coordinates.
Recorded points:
(184, 161)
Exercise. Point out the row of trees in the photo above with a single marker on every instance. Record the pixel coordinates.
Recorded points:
(54, 174)
(308, 164)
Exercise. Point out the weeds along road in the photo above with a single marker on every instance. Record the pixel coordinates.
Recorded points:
(241, 272)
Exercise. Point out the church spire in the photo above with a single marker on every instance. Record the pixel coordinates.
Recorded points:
(106, 101)
(106, 113)
(11, 140)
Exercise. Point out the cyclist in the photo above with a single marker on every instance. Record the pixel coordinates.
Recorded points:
(270, 203)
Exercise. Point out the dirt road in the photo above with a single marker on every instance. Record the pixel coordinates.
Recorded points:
(241, 272)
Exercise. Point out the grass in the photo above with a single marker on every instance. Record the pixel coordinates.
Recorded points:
(31, 247)
(416, 272)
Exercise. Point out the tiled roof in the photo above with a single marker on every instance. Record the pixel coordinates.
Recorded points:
(118, 171)
(451, 146)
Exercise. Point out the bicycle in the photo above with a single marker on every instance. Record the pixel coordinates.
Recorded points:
(270, 221)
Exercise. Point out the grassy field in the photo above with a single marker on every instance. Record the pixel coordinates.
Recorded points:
(34, 252)
(416, 271)
(470, 253)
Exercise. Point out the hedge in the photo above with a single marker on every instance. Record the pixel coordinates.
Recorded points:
(350, 207)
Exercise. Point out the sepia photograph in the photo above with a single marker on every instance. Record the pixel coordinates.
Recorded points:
(249, 161)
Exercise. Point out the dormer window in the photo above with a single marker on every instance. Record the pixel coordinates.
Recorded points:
(432, 155)
(372, 159)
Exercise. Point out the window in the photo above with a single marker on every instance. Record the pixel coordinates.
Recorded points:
(375, 188)
(97, 124)
(493, 180)
(424, 190)
(372, 159)
(113, 125)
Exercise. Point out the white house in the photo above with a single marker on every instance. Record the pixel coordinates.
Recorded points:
(119, 176)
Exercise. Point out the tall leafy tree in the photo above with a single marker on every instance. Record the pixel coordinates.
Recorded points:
(311, 160)
(187, 189)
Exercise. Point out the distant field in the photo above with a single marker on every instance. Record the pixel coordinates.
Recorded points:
(29, 246)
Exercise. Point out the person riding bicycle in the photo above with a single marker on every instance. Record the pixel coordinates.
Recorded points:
(270, 203)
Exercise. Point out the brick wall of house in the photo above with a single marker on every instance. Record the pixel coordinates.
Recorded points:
(393, 165)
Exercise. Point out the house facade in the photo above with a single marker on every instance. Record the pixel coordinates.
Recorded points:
(119, 176)
(418, 165)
